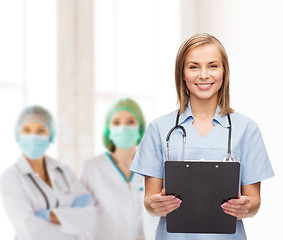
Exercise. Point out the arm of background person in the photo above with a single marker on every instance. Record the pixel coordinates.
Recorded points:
(76, 220)
(20, 212)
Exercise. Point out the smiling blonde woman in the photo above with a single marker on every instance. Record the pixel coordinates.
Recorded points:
(202, 85)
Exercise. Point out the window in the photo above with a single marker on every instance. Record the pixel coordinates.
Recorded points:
(27, 73)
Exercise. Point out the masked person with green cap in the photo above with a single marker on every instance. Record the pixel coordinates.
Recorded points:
(117, 192)
(42, 197)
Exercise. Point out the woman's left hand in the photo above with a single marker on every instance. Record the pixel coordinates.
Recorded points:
(239, 208)
(53, 218)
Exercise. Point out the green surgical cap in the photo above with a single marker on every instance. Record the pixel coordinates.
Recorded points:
(130, 106)
(36, 114)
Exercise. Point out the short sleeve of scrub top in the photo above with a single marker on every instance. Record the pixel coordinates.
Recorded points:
(247, 148)
(149, 158)
(255, 164)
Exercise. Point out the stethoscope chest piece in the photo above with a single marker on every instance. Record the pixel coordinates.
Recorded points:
(229, 159)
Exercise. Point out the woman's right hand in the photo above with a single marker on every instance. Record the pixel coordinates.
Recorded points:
(162, 204)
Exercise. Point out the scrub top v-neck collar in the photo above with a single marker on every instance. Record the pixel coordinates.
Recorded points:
(119, 170)
(187, 114)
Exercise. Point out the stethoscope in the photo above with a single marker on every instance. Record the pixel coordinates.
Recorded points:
(43, 193)
(228, 158)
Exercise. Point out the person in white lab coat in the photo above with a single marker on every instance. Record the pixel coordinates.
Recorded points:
(41, 196)
(117, 192)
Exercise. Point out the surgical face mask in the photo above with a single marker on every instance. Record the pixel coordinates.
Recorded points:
(33, 146)
(124, 137)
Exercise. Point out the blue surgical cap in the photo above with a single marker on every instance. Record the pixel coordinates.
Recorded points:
(36, 114)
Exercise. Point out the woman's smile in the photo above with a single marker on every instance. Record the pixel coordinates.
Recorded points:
(204, 86)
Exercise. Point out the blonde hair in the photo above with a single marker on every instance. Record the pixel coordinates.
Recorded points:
(183, 92)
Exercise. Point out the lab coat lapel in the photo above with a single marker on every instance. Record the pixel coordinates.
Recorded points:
(57, 175)
(24, 166)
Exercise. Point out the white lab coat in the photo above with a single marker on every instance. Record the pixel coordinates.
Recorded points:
(21, 199)
(119, 203)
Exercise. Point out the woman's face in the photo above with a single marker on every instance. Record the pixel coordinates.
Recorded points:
(33, 128)
(203, 71)
(123, 118)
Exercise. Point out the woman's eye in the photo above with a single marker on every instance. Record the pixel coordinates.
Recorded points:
(41, 131)
(193, 67)
(25, 130)
(131, 122)
(213, 66)
(115, 123)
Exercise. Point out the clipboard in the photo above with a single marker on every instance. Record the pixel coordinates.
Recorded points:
(203, 186)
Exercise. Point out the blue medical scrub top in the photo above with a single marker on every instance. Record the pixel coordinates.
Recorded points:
(247, 148)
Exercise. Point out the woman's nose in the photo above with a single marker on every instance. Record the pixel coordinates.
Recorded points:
(204, 74)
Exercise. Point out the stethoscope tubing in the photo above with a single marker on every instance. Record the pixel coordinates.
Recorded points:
(229, 157)
(41, 190)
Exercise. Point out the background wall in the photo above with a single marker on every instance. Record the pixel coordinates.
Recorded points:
(76, 57)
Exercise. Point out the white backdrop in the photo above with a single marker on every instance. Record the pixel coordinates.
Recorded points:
(251, 31)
